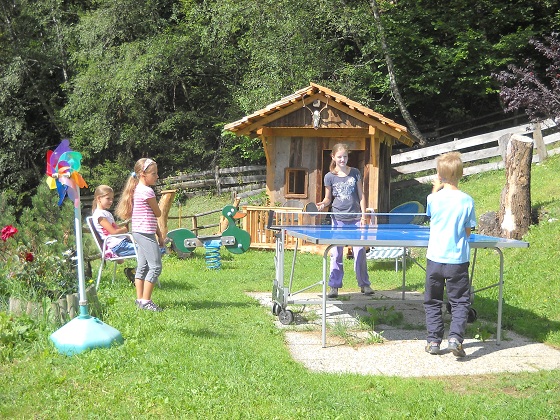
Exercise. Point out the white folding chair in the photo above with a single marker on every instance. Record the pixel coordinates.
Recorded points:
(106, 255)
(387, 253)
(413, 214)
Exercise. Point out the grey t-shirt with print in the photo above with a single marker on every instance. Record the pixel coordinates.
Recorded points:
(345, 194)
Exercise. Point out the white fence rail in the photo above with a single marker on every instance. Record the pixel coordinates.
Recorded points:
(475, 153)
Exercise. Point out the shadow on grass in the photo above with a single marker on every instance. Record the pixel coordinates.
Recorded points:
(201, 333)
(522, 321)
(525, 323)
(212, 304)
(176, 285)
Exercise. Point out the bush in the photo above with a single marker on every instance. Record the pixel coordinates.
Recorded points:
(34, 258)
(15, 333)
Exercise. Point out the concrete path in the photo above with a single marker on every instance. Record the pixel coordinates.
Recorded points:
(402, 351)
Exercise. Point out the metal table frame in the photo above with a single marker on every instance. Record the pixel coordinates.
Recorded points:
(281, 295)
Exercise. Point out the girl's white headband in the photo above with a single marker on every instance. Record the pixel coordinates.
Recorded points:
(147, 163)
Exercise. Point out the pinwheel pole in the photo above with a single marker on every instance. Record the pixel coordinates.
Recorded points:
(84, 332)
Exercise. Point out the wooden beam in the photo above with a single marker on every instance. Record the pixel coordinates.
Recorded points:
(367, 168)
(268, 152)
(372, 169)
(272, 115)
(311, 132)
(319, 188)
(398, 134)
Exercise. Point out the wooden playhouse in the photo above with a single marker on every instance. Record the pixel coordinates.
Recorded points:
(298, 133)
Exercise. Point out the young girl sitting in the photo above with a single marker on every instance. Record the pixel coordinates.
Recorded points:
(105, 225)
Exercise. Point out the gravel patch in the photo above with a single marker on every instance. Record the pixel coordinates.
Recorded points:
(401, 352)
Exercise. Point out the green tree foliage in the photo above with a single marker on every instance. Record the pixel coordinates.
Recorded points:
(286, 44)
(445, 51)
(124, 79)
(33, 59)
(144, 87)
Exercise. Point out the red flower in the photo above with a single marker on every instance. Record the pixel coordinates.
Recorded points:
(8, 232)
(29, 257)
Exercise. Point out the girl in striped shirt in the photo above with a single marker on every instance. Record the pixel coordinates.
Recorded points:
(138, 202)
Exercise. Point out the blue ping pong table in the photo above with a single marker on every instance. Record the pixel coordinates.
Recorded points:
(393, 235)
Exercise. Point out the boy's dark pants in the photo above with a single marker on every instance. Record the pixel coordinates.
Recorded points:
(455, 278)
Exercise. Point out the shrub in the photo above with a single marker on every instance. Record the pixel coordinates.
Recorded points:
(35, 248)
(15, 332)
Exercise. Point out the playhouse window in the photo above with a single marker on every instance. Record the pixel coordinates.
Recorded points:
(296, 183)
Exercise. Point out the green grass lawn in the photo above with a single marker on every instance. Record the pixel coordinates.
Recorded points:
(215, 353)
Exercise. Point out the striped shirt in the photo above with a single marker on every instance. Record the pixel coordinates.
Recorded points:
(143, 218)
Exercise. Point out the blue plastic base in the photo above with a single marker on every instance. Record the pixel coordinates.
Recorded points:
(85, 333)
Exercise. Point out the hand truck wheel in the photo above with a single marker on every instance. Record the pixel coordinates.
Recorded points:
(286, 316)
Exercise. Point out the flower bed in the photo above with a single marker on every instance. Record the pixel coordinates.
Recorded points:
(31, 270)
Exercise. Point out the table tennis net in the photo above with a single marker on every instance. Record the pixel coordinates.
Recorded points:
(281, 218)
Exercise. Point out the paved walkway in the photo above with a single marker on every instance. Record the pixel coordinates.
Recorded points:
(402, 351)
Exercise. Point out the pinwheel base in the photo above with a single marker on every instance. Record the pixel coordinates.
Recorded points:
(85, 333)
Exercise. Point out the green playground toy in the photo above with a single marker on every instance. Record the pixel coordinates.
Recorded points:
(233, 238)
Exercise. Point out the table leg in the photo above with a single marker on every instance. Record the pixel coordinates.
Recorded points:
(324, 314)
(403, 273)
(500, 296)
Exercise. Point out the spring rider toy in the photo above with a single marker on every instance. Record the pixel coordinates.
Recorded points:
(233, 238)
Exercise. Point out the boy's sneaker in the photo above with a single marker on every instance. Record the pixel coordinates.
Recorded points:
(138, 303)
(432, 348)
(150, 306)
(130, 274)
(456, 348)
(367, 290)
(333, 292)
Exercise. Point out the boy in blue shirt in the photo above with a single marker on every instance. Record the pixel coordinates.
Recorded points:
(452, 217)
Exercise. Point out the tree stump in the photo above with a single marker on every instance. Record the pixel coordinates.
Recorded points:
(514, 216)
(72, 305)
(488, 224)
(94, 305)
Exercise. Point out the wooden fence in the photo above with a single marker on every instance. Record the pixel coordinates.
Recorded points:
(257, 219)
(219, 180)
(480, 153)
(249, 179)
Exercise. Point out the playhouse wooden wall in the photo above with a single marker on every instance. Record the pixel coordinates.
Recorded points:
(372, 158)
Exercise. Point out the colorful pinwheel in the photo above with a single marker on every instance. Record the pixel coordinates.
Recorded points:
(63, 166)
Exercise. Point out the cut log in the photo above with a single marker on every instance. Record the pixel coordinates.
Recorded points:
(514, 216)
(165, 203)
(488, 224)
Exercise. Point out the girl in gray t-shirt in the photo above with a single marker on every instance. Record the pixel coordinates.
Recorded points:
(343, 190)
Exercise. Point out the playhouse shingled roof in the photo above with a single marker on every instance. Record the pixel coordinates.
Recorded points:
(250, 123)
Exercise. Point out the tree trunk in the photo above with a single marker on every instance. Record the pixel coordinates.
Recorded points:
(514, 216)
(392, 78)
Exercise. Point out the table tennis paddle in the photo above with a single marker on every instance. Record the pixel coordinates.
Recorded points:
(311, 208)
